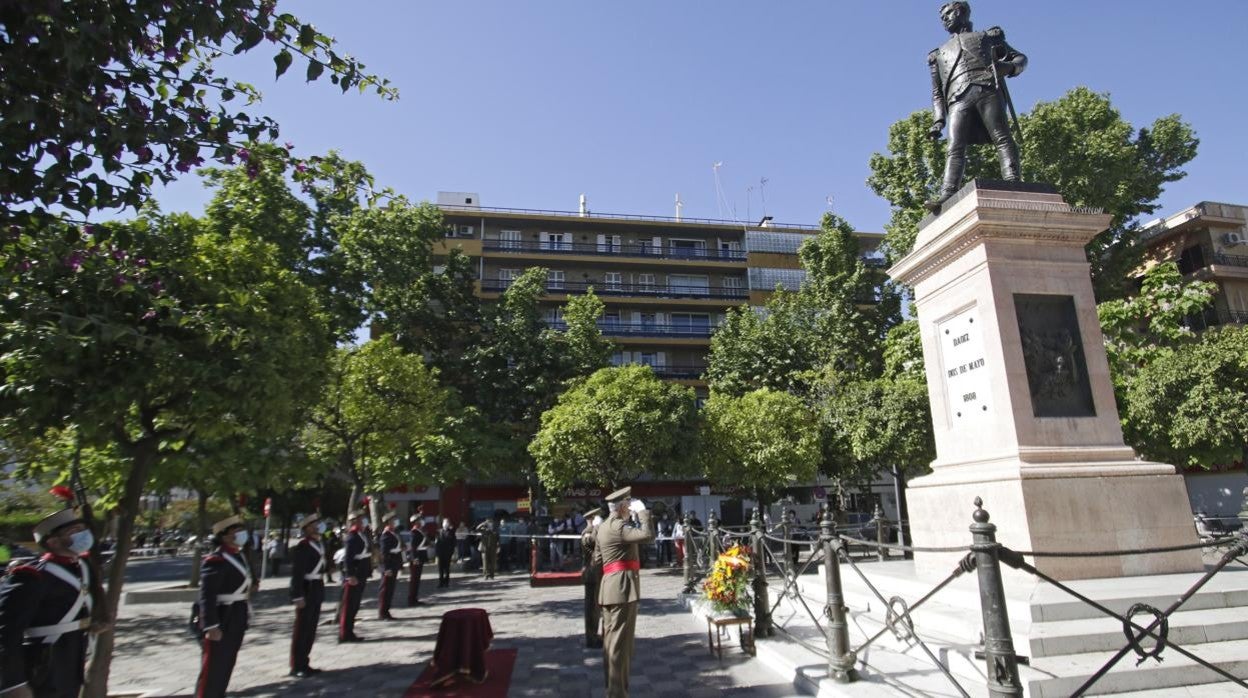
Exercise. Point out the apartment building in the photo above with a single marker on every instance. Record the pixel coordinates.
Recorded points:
(667, 282)
(1209, 241)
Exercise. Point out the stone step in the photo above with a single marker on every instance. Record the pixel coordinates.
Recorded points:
(1051, 677)
(1106, 634)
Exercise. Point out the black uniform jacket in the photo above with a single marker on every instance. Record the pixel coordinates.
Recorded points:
(391, 551)
(222, 578)
(31, 597)
(359, 563)
(308, 558)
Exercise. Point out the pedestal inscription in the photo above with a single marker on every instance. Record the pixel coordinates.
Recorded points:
(967, 388)
(1057, 372)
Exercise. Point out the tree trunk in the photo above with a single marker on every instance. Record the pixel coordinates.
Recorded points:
(376, 508)
(143, 458)
(201, 534)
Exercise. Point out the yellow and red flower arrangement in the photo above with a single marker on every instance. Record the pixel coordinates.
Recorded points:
(727, 587)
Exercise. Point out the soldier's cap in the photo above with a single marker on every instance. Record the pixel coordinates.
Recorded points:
(596, 511)
(414, 518)
(52, 522)
(389, 516)
(355, 514)
(620, 494)
(219, 527)
(309, 520)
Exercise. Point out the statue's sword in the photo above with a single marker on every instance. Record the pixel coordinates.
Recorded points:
(999, 82)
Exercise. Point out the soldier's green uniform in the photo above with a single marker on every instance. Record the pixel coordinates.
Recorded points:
(591, 575)
(488, 545)
(616, 542)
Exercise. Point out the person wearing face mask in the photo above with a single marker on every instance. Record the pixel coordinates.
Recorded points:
(591, 576)
(391, 562)
(357, 568)
(225, 589)
(45, 613)
(307, 592)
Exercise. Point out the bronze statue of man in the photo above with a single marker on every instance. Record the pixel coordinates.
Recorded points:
(969, 95)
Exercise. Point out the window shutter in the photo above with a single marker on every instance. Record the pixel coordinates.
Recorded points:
(661, 359)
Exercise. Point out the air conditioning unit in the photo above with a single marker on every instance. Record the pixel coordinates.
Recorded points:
(464, 231)
(1233, 239)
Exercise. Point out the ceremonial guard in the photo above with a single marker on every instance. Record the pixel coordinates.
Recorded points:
(615, 546)
(225, 589)
(391, 562)
(357, 567)
(307, 592)
(45, 612)
(418, 555)
(591, 575)
(488, 546)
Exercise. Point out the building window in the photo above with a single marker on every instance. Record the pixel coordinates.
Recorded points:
(556, 241)
(645, 279)
(617, 359)
(1191, 259)
(554, 280)
(613, 280)
(732, 282)
(509, 239)
(507, 276)
(608, 243)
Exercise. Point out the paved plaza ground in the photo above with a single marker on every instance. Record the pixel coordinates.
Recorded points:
(155, 654)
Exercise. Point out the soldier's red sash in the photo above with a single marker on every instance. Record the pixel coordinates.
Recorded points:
(621, 565)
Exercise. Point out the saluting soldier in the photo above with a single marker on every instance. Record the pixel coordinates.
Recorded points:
(225, 589)
(307, 591)
(357, 566)
(591, 575)
(616, 541)
(391, 563)
(45, 612)
(418, 555)
(488, 546)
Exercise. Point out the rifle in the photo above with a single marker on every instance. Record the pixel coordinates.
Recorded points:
(99, 614)
(999, 83)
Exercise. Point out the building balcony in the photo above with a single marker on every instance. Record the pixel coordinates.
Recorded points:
(1233, 260)
(636, 290)
(678, 371)
(634, 250)
(646, 329)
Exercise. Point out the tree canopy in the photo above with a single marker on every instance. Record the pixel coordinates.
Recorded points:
(761, 442)
(614, 425)
(101, 99)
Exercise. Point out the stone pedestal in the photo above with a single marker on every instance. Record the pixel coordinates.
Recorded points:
(1022, 405)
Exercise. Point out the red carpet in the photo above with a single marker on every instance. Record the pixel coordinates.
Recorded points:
(498, 662)
(555, 579)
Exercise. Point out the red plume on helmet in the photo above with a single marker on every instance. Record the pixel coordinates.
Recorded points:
(62, 493)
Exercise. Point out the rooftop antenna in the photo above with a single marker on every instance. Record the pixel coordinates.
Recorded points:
(679, 205)
(749, 200)
(719, 196)
(584, 208)
(762, 192)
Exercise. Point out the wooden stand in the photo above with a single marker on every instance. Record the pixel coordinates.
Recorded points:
(744, 637)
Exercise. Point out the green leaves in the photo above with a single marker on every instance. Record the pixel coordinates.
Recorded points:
(613, 426)
(282, 60)
(760, 442)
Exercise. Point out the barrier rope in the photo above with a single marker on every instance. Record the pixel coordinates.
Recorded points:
(1134, 551)
(908, 548)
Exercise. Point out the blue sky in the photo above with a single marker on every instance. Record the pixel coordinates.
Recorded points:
(532, 103)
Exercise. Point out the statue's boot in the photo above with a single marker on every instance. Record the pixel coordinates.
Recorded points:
(935, 205)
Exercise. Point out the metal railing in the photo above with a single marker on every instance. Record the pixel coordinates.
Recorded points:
(645, 329)
(622, 289)
(777, 559)
(641, 250)
(1234, 260)
(622, 217)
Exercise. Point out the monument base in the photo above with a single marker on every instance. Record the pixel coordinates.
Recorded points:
(1023, 407)
(1108, 506)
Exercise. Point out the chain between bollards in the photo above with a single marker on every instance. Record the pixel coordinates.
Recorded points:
(1002, 663)
(840, 657)
(762, 604)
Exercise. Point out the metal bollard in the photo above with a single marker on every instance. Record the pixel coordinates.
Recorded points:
(712, 538)
(690, 541)
(881, 553)
(786, 528)
(840, 658)
(762, 604)
(1002, 663)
